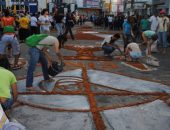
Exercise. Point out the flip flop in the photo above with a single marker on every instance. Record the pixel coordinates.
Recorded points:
(16, 67)
(34, 89)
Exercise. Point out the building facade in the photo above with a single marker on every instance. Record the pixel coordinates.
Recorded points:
(140, 7)
(89, 7)
(161, 4)
(19, 5)
(112, 7)
(146, 6)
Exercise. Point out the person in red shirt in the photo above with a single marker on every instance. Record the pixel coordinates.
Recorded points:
(7, 20)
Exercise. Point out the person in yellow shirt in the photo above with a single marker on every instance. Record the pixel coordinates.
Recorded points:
(24, 30)
(8, 86)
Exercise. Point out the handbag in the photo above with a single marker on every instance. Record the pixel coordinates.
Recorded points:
(55, 68)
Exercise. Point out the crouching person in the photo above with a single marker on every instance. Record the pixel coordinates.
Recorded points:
(39, 53)
(10, 40)
(108, 44)
(149, 37)
(133, 52)
(8, 86)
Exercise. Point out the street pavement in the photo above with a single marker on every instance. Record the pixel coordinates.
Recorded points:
(95, 92)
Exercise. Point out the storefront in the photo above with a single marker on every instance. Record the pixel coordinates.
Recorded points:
(22, 6)
(89, 11)
(89, 7)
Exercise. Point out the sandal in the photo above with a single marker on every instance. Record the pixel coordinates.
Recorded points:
(16, 67)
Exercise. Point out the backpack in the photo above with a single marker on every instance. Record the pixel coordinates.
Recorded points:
(8, 29)
(34, 40)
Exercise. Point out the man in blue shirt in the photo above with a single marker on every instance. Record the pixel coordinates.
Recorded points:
(127, 32)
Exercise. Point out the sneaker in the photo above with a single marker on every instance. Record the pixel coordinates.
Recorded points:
(34, 89)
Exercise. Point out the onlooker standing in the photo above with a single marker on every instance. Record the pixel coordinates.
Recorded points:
(105, 22)
(144, 24)
(24, 31)
(44, 21)
(7, 20)
(9, 38)
(163, 23)
(154, 22)
(69, 24)
(8, 87)
(127, 32)
(110, 21)
(34, 24)
(59, 24)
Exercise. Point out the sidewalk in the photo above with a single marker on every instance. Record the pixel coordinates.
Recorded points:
(96, 94)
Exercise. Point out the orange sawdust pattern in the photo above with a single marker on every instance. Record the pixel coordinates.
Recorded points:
(105, 66)
(84, 87)
(85, 27)
(85, 36)
(85, 53)
(131, 104)
(75, 81)
(84, 30)
(93, 105)
(91, 65)
(137, 65)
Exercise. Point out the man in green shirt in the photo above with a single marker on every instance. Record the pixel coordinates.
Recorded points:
(144, 24)
(8, 86)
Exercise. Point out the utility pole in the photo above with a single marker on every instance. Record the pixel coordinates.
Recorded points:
(110, 5)
(132, 4)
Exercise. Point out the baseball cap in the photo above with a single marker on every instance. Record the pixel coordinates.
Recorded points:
(162, 11)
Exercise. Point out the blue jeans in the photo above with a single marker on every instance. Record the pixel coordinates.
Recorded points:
(5, 40)
(107, 49)
(36, 56)
(59, 29)
(7, 105)
(162, 36)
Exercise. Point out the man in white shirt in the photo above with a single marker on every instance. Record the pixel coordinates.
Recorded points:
(44, 22)
(154, 22)
(34, 25)
(133, 52)
(110, 20)
(162, 30)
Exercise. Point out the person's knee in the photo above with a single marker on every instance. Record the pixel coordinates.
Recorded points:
(7, 104)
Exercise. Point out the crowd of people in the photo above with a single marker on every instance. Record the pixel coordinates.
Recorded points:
(137, 29)
(33, 30)
(37, 28)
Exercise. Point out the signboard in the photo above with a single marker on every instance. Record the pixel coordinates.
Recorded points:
(72, 7)
(18, 3)
(139, 6)
(92, 3)
(51, 6)
(80, 3)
